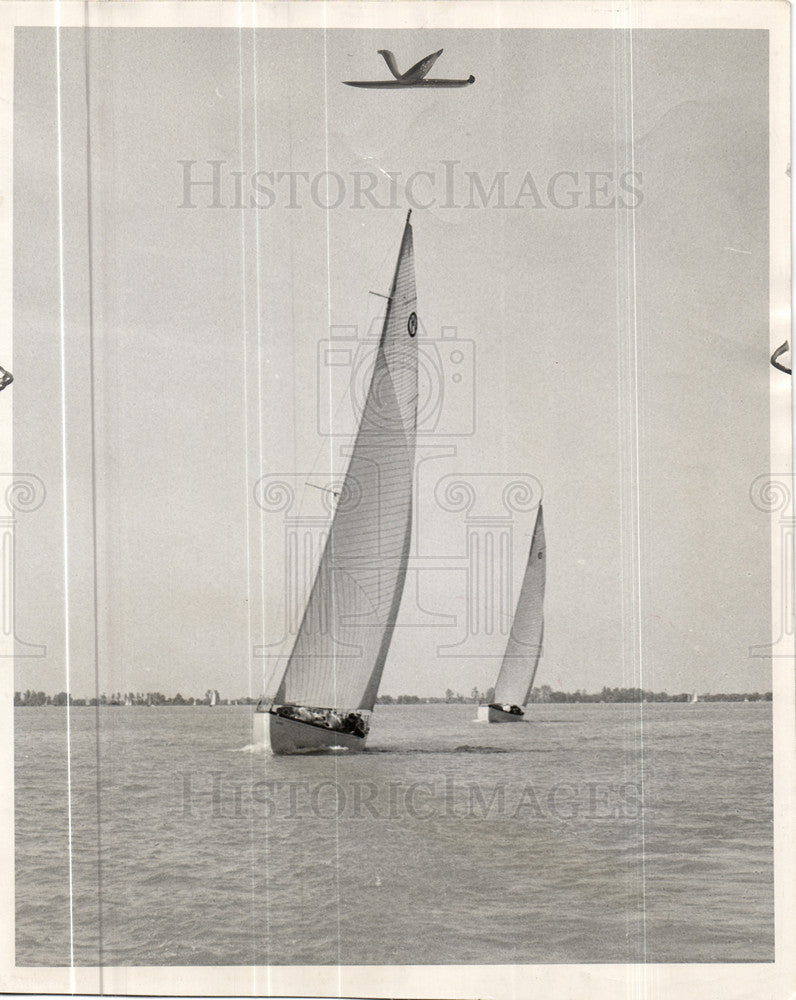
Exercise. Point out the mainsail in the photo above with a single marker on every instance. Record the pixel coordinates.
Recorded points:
(342, 642)
(524, 646)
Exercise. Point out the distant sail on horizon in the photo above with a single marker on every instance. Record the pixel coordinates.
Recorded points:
(524, 646)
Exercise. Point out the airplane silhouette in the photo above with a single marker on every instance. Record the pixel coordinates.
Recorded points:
(413, 77)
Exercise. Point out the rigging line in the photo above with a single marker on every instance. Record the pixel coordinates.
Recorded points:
(324, 489)
(67, 633)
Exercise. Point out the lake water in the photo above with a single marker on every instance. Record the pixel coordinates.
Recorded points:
(594, 833)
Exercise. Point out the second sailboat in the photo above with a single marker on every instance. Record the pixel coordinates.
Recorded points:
(524, 646)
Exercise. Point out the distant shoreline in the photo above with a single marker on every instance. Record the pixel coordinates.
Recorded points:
(539, 696)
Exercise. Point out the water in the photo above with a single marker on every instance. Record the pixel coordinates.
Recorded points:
(449, 842)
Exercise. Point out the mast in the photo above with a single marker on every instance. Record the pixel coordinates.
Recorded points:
(524, 646)
(344, 637)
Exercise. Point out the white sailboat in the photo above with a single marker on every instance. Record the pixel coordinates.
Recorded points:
(694, 699)
(331, 679)
(524, 646)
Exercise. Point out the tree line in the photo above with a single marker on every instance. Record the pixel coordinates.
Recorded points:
(546, 695)
(539, 695)
(34, 699)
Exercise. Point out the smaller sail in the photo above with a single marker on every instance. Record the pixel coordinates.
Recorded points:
(524, 646)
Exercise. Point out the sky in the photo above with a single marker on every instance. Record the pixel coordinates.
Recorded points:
(598, 342)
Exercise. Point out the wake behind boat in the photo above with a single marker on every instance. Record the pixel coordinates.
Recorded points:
(524, 646)
(331, 679)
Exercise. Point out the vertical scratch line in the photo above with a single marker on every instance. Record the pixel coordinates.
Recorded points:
(65, 500)
(94, 548)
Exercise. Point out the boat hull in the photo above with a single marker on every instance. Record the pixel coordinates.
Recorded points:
(280, 735)
(486, 713)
